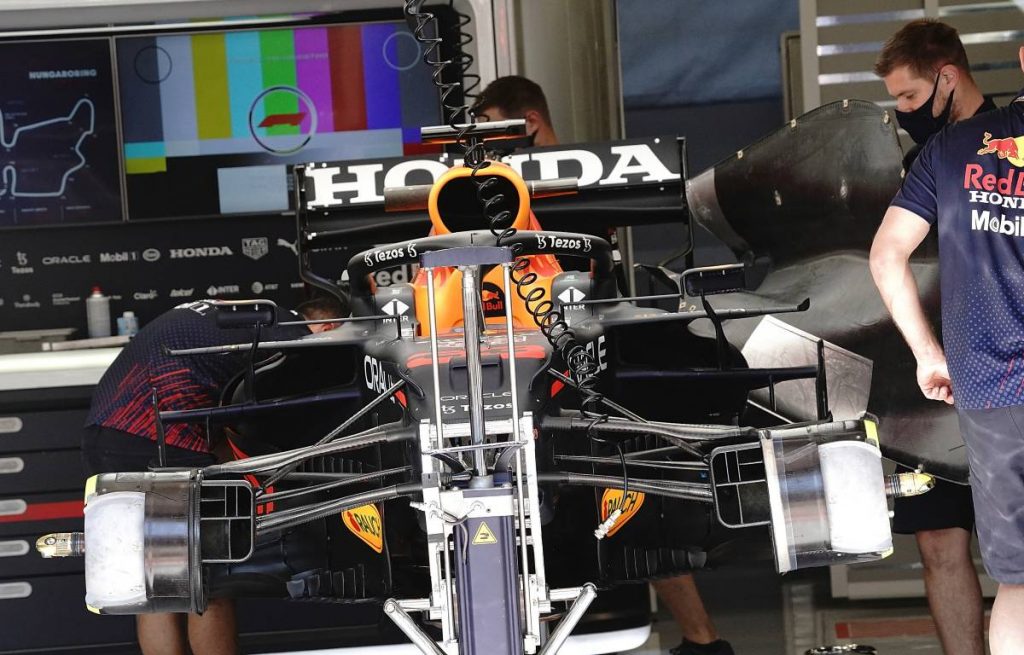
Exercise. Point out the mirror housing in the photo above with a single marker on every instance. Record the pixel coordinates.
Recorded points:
(709, 280)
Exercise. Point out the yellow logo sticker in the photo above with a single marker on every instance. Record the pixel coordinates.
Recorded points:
(484, 536)
(612, 500)
(365, 523)
(1011, 148)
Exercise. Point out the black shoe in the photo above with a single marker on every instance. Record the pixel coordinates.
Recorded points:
(720, 647)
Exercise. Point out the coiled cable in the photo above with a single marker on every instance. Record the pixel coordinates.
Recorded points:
(583, 366)
(461, 57)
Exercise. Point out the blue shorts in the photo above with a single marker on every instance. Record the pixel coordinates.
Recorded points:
(995, 451)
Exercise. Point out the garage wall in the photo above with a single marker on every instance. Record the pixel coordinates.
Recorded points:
(705, 71)
(840, 40)
(570, 48)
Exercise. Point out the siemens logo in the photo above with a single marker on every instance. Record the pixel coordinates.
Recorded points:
(205, 251)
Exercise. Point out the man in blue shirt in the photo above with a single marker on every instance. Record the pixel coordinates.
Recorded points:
(925, 69)
(969, 183)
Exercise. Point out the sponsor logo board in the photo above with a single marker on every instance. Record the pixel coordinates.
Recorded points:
(366, 524)
(612, 500)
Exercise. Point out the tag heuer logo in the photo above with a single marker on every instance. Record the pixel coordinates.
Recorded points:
(255, 247)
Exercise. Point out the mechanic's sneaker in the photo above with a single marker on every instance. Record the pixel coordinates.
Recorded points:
(720, 647)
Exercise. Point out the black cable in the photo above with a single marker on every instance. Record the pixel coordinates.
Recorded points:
(548, 318)
(462, 58)
(564, 379)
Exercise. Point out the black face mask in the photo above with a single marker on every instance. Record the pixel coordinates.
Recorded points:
(920, 124)
(508, 146)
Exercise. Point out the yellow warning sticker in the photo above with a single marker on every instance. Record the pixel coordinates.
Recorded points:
(484, 536)
(871, 431)
(612, 500)
(365, 523)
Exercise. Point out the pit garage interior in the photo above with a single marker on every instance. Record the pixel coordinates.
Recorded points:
(167, 151)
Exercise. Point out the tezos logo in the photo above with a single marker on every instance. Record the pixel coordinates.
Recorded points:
(374, 257)
(22, 268)
(545, 241)
(203, 251)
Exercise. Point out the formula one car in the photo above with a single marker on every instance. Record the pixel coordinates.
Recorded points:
(488, 445)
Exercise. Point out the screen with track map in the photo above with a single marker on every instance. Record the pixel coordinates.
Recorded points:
(59, 155)
(211, 121)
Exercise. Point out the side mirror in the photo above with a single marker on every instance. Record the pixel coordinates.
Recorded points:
(709, 280)
(235, 314)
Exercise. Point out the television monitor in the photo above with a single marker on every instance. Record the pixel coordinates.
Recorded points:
(58, 133)
(211, 121)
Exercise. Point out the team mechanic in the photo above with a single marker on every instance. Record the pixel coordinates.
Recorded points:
(120, 431)
(968, 182)
(925, 69)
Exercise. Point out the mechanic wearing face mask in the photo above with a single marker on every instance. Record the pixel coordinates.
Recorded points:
(925, 69)
(513, 96)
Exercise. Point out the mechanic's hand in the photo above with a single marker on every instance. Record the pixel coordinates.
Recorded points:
(933, 378)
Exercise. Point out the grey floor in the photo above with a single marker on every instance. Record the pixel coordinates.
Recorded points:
(762, 613)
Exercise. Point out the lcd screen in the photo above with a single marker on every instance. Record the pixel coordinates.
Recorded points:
(211, 121)
(58, 137)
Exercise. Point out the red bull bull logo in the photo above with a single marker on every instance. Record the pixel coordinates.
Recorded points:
(1009, 148)
(493, 300)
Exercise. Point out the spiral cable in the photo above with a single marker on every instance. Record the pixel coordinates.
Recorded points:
(550, 320)
(462, 58)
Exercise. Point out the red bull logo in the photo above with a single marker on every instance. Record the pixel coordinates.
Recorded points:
(1009, 148)
(493, 300)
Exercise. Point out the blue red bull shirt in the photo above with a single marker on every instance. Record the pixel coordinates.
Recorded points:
(969, 182)
(123, 399)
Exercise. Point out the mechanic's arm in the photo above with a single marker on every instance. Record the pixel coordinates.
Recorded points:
(901, 232)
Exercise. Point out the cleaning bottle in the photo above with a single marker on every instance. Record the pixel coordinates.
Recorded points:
(127, 324)
(97, 312)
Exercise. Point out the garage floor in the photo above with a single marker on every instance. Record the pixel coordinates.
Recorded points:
(762, 613)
